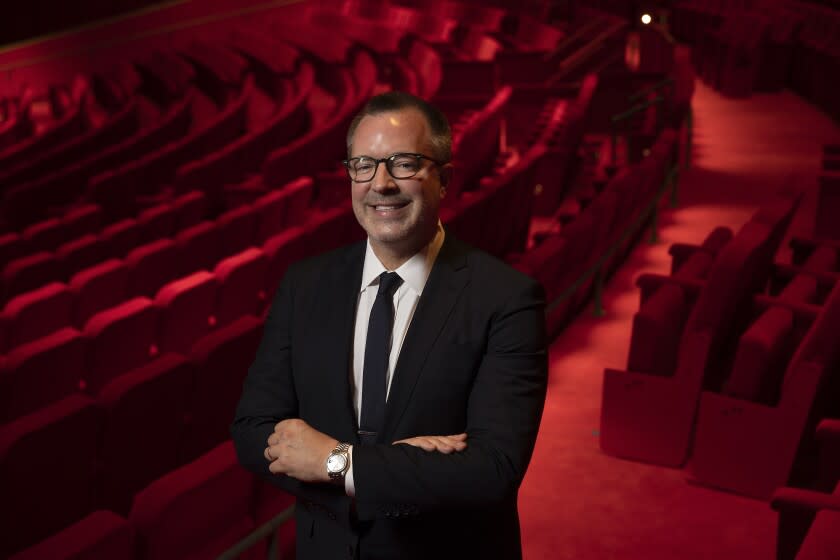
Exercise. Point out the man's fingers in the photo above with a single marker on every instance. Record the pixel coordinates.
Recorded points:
(441, 444)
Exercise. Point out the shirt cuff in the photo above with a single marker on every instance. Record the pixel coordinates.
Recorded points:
(349, 486)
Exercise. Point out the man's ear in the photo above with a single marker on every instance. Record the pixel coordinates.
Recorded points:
(445, 174)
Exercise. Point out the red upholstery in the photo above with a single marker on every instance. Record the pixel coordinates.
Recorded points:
(80, 253)
(238, 228)
(97, 288)
(102, 534)
(83, 219)
(651, 418)
(222, 359)
(186, 308)
(144, 418)
(38, 497)
(241, 281)
(282, 250)
(122, 338)
(199, 246)
(158, 221)
(196, 511)
(763, 351)
(45, 235)
(657, 328)
(38, 313)
(29, 272)
(12, 246)
(191, 208)
(41, 372)
(754, 452)
(123, 236)
(152, 265)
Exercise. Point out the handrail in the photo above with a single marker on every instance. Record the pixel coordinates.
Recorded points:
(615, 119)
(265, 530)
(636, 109)
(650, 211)
(650, 89)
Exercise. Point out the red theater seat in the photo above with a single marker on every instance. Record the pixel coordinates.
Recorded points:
(753, 452)
(38, 313)
(12, 246)
(657, 329)
(152, 265)
(97, 288)
(282, 208)
(83, 219)
(282, 250)
(197, 511)
(191, 208)
(42, 372)
(222, 359)
(30, 272)
(45, 235)
(123, 236)
(241, 285)
(651, 418)
(102, 534)
(81, 253)
(158, 221)
(186, 311)
(144, 418)
(199, 246)
(46, 471)
(122, 338)
(238, 228)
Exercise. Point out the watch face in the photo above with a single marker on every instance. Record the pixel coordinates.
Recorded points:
(336, 463)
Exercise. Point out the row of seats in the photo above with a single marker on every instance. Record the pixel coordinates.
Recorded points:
(131, 328)
(562, 260)
(222, 502)
(741, 47)
(650, 417)
(808, 518)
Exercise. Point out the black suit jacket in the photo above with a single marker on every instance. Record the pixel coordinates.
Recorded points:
(474, 360)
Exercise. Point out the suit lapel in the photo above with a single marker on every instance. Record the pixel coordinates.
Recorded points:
(448, 278)
(337, 333)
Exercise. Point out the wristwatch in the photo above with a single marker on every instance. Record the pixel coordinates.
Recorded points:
(338, 462)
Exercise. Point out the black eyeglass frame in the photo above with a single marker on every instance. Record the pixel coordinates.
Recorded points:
(389, 162)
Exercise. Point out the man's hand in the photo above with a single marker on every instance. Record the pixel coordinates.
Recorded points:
(442, 444)
(298, 450)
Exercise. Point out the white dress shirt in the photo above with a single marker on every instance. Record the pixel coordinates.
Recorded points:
(414, 273)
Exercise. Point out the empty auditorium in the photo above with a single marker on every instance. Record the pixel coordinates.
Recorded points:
(655, 184)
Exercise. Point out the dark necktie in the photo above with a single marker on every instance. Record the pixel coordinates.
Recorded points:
(377, 352)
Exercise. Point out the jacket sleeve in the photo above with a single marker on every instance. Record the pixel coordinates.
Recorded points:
(503, 416)
(269, 396)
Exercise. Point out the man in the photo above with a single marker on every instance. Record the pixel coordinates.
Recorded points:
(401, 409)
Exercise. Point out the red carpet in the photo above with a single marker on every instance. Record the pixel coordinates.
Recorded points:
(579, 503)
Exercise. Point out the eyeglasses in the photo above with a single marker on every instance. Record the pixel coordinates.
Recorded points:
(400, 166)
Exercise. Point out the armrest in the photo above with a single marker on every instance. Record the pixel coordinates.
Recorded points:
(828, 430)
(797, 242)
(808, 311)
(797, 498)
(824, 277)
(680, 252)
(649, 283)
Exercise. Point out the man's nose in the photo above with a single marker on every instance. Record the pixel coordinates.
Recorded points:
(382, 180)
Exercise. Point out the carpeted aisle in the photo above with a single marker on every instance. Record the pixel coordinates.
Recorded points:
(578, 503)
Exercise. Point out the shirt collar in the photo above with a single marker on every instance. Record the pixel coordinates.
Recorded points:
(414, 272)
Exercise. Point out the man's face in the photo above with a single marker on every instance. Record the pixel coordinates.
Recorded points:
(399, 215)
